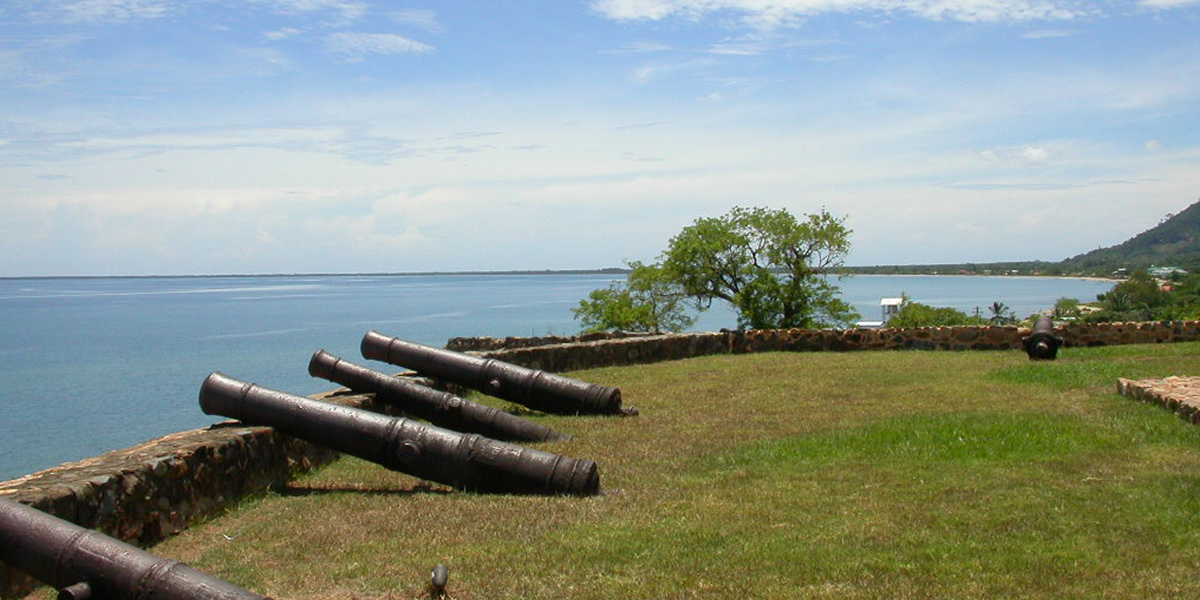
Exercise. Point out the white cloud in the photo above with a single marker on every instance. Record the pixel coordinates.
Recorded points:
(1169, 3)
(282, 33)
(101, 11)
(1016, 157)
(1042, 34)
(658, 70)
(348, 10)
(422, 19)
(357, 45)
(1035, 155)
(739, 48)
(640, 48)
(778, 13)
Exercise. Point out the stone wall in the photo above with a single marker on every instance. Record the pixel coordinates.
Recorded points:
(604, 351)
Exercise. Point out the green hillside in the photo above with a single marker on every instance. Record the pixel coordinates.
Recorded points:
(1174, 242)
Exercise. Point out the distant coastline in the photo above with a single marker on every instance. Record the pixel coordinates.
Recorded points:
(609, 271)
(1022, 276)
(882, 271)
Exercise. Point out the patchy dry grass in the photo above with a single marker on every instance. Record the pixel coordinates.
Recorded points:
(858, 475)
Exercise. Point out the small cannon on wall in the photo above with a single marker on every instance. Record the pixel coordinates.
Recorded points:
(1042, 344)
(86, 564)
(530, 387)
(464, 461)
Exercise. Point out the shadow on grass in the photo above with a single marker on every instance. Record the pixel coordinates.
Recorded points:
(299, 491)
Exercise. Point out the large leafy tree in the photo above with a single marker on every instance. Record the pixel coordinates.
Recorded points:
(646, 301)
(773, 268)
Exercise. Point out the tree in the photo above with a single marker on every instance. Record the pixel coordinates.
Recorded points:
(1001, 314)
(772, 268)
(915, 314)
(645, 302)
(1139, 298)
(1067, 309)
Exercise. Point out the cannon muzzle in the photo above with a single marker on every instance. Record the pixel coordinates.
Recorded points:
(531, 387)
(464, 461)
(440, 408)
(1042, 344)
(83, 563)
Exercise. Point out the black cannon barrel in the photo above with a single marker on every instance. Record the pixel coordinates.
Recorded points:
(86, 563)
(465, 461)
(440, 408)
(533, 388)
(1042, 344)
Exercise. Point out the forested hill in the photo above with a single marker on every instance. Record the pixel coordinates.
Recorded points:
(1175, 242)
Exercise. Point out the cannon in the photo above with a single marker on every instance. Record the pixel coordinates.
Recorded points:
(84, 563)
(530, 387)
(464, 461)
(1042, 344)
(439, 408)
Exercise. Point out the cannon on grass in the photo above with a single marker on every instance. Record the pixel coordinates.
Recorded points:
(530, 387)
(439, 408)
(1041, 343)
(86, 564)
(464, 461)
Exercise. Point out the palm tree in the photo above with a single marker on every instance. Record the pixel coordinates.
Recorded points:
(1001, 314)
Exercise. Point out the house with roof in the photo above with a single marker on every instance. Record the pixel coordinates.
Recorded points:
(888, 308)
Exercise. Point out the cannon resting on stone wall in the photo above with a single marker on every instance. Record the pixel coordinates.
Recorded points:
(86, 564)
(530, 387)
(439, 408)
(464, 461)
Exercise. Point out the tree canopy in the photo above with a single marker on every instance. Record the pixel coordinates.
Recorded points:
(916, 314)
(646, 302)
(773, 268)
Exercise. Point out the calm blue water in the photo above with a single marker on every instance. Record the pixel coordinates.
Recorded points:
(91, 365)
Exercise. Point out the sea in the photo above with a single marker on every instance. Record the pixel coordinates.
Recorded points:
(89, 365)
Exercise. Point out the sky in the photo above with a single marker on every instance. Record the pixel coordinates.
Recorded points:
(191, 137)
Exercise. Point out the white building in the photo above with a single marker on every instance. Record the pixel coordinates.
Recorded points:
(888, 308)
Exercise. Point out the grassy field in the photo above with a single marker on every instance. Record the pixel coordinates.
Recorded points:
(800, 475)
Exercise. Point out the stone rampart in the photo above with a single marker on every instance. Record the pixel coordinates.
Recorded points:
(604, 351)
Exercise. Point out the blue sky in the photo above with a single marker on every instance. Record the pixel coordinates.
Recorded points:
(283, 136)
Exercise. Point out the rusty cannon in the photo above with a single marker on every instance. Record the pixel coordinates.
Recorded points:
(1041, 343)
(464, 461)
(84, 563)
(439, 408)
(530, 387)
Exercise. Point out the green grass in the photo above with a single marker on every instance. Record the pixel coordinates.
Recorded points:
(805, 475)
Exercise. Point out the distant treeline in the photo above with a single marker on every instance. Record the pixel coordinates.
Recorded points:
(998, 268)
